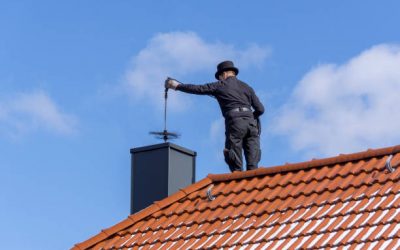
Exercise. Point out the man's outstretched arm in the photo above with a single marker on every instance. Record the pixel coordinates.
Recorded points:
(204, 89)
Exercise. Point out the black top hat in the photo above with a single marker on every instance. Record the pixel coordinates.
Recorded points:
(225, 66)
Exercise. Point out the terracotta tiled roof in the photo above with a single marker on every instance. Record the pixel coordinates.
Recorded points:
(345, 201)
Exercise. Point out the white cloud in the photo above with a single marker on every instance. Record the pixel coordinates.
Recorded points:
(178, 54)
(24, 112)
(345, 108)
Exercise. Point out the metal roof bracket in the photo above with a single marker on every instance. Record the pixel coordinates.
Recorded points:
(209, 195)
(388, 165)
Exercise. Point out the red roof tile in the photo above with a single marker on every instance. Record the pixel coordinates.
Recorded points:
(345, 201)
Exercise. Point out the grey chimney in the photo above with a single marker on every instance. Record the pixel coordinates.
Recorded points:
(159, 171)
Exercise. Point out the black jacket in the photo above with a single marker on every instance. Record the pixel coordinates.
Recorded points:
(230, 93)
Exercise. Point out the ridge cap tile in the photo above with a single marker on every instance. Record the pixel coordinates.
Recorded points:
(92, 241)
(197, 185)
(144, 212)
(289, 167)
(170, 199)
(119, 226)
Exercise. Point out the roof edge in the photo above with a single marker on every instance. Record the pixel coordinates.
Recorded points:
(133, 218)
(288, 167)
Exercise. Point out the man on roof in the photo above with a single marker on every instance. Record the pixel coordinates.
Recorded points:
(241, 109)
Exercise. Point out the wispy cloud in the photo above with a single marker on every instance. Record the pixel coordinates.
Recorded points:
(22, 113)
(345, 108)
(178, 54)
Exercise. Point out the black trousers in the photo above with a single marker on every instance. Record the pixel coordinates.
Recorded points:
(242, 133)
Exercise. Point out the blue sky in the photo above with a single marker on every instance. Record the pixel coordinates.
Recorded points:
(81, 83)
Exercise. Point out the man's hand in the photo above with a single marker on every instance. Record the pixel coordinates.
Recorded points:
(171, 83)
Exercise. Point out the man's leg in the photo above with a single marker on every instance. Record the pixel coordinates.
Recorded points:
(251, 144)
(235, 131)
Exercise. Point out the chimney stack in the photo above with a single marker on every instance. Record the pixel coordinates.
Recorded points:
(158, 171)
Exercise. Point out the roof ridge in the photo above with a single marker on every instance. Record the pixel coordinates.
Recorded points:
(288, 167)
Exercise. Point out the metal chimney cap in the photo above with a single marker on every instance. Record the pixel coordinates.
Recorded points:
(164, 145)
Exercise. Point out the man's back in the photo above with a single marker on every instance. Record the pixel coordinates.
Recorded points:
(230, 93)
(233, 93)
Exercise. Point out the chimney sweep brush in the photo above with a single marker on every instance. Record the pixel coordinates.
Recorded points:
(165, 135)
